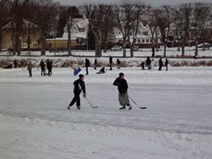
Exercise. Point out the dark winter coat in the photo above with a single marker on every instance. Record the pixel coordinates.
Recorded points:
(148, 61)
(29, 66)
(79, 86)
(166, 63)
(42, 65)
(87, 63)
(160, 62)
(95, 62)
(48, 64)
(122, 85)
(111, 60)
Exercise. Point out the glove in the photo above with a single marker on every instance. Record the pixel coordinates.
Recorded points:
(84, 95)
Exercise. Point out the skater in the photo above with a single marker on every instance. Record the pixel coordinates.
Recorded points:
(29, 68)
(166, 64)
(51, 66)
(153, 51)
(160, 64)
(43, 70)
(148, 63)
(48, 65)
(118, 64)
(15, 63)
(153, 64)
(75, 66)
(111, 62)
(95, 64)
(122, 88)
(101, 71)
(87, 64)
(79, 86)
(142, 65)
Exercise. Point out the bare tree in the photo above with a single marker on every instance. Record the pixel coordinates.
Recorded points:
(201, 14)
(99, 18)
(4, 18)
(108, 24)
(151, 19)
(17, 12)
(124, 14)
(135, 27)
(71, 17)
(184, 19)
(164, 19)
(44, 16)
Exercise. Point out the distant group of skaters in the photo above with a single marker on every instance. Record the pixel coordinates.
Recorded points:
(150, 64)
(102, 70)
(47, 65)
(79, 84)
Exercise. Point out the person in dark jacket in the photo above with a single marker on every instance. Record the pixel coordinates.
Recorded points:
(48, 65)
(87, 64)
(123, 94)
(153, 51)
(101, 71)
(118, 64)
(160, 64)
(29, 68)
(111, 62)
(79, 86)
(166, 64)
(142, 65)
(148, 63)
(95, 64)
(42, 66)
(15, 63)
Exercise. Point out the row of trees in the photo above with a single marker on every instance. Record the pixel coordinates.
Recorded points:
(22, 16)
(186, 22)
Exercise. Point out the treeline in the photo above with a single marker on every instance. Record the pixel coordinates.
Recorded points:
(190, 21)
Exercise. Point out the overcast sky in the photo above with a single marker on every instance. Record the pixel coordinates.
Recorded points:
(152, 2)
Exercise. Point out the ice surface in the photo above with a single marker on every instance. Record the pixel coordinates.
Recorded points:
(35, 122)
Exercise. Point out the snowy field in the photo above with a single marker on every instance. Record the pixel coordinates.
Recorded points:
(35, 122)
(171, 52)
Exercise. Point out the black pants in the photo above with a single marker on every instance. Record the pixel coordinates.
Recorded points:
(75, 99)
(111, 66)
(160, 68)
(86, 70)
(43, 72)
(30, 73)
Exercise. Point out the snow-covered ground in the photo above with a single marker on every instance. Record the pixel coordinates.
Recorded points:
(171, 52)
(35, 122)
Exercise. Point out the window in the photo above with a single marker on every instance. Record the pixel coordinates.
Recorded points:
(143, 40)
(35, 45)
(145, 33)
(147, 40)
(139, 41)
(81, 29)
(24, 45)
(4, 48)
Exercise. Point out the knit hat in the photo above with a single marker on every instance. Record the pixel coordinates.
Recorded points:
(121, 74)
(80, 76)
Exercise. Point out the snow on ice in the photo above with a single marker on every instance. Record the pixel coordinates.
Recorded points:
(35, 122)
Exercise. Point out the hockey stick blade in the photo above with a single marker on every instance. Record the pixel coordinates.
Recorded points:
(94, 106)
(137, 104)
(91, 104)
(143, 107)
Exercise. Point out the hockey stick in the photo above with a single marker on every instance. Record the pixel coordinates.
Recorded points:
(90, 103)
(136, 103)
